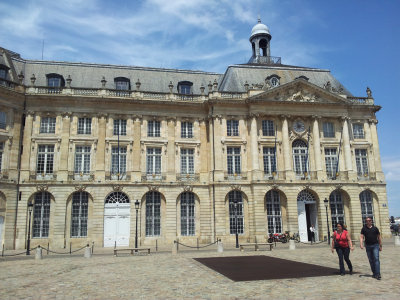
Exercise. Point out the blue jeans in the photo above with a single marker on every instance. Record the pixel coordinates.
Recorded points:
(344, 253)
(373, 257)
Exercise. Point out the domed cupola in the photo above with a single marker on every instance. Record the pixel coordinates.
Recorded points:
(260, 41)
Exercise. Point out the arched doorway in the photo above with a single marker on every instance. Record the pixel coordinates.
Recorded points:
(116, 220)
(307, 215)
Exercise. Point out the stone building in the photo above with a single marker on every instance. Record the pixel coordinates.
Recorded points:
(257, 149)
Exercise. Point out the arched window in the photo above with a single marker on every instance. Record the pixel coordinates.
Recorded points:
(41, 215)
(306, 197)
(79, 214)
(187, 214)
(274, 215)
(153, 214)
(300, 159)
(117, 197)
(367, 207)
(337, 210)
(236, 210)
(55, 80)
(263, 47)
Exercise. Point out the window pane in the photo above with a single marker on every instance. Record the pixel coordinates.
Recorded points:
(187, 214)
(79, 214)
(274, 216)
(268, 128)
(269, 159)
(3, 119)
(236, 219)
(41, 215)
(153, 214)
(232, 127)
(329, 131)
(119, 127)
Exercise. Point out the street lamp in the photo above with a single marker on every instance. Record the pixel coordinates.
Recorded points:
(235, 201)
(137, 209)
(28, 243)
(326, 202)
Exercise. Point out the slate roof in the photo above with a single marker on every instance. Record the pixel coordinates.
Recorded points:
(87, 75)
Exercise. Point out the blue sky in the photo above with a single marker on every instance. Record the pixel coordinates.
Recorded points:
(357, 40)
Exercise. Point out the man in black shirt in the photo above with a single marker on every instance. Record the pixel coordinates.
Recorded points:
(373, 244)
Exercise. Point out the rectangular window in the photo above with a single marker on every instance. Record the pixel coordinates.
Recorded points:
(82, 160)
(329, 130)
(187, 161)
(3, 74)
(122, 85)
(233, 160)
(268, 128)
(358, 131)
(187, 214)
(119, 127)
(84, 125)
(45, 159)
(331, 161)
(186, 130)
(232, 127)
(48, 125)
(153, 161)
(153, 128)
(1, 155)
(361, 162)
(118, 161)
(54, 82)
(269, 159)
(3, 120)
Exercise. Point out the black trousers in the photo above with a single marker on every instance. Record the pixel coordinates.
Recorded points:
(344, 253)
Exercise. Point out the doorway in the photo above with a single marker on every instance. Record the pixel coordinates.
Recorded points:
(307, 216)
(117, 220)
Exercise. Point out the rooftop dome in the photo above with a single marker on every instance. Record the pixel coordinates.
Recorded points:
(260, 29)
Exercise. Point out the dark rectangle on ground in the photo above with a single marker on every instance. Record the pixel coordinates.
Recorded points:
(247, 268)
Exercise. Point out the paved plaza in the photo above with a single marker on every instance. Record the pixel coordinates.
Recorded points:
(163, 275)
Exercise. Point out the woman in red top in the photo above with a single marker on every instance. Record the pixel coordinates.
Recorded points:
(341, 241)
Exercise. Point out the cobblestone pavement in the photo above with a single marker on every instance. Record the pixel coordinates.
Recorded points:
(165, 276)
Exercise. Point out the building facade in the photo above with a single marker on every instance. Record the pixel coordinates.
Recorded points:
(255, 150)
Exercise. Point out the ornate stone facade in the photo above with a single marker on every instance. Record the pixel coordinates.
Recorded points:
(279, 151)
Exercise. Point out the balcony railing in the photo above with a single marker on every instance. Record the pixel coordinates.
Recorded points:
(235, 176)
(269, 60)
(311, 175)
(361, 100)
(277, 175)
(187, 177)
(80, 176)
(342, 176)
(366, 176)
(153, 177)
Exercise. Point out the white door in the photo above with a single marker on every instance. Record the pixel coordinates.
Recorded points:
(116, 224)
(1, 230)
(302, 219)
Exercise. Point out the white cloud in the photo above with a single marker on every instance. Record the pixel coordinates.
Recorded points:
(391, 167)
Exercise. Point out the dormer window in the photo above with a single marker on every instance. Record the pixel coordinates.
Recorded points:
(122, 83)
(302, 77)
(55, 80)
(274, 80)
(185, 87)
(3, 72)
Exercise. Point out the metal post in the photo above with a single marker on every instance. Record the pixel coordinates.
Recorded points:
(327, 220)
(28, 243)
(136, 232)
(236, 223)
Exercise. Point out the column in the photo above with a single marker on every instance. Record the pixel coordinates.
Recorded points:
(254, 147)
(171, 174)
(101, 145)
(136, 152)
(370, 155)
(62, 173)
(285, 146)
(219, 149)
(317, 148)
(375, 147)
(26, 154)
(346, 145)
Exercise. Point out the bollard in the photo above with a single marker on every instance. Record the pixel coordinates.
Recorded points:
(292, 245)
(397, 240)
(220, 246)
(88, 252)
(174, 248)
(38, 254)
